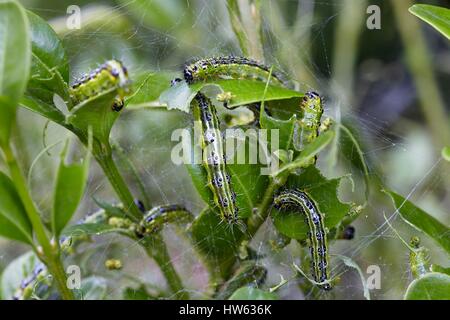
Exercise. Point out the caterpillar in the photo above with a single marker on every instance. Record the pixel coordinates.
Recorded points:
(157, 217)
(228, 67)
(111, 74)
(308, 127)
(213, 159)
(317, 232)
(419, 258)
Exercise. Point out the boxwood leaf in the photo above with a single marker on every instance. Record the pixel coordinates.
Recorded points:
(12, 212)
(432, 286)
(421, 220)
(15, 56)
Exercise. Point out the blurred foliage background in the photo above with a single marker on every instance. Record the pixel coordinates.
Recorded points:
(388, 84)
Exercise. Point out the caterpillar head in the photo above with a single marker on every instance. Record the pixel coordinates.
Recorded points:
(312, 104)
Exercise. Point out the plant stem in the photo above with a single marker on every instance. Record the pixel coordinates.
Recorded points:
(347, 33)
(257, 219)
(156, 249)
(245, 19)
(417, 57)
(105, 160)
(50, 254)
(237, 25)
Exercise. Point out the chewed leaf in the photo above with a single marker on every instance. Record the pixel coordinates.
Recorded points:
(148, 87)
(308, 153)
(285, 129)
(243, 92)
(50, 65)
(422, 220)
(179, 96)
(324, 194)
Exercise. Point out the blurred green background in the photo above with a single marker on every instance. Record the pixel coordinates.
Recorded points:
(386, 83)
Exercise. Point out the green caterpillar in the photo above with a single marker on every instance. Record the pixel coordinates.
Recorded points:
(228, 68)
(219, 181)
(317, 232)
(111, 74)
(157, 217)
(419, 258)
(309, 124)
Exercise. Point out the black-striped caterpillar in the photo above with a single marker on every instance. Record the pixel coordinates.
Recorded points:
(229, 67)
(213, 159)
(317, 232)
(308, 127)
(111, 74)
(157, 217)
(214, 162)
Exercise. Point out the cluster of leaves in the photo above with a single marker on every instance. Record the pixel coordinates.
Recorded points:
(38, 78)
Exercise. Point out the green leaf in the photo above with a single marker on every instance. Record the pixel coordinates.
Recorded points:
(15, 56)
(440, 269)
(50, 65)
(12, 213)
(68, 190)
(46, 110)
(93, 288)
(249, 293)
(243, 92)
(89, 229)
(432, 286)
(421, 220)
(323, 192)
(95, 113)
(216, 242)
(437, 17)
(446, 153)
(18, 269)
(354, 153)
(308, 153)
(148, 87)
(285, 129)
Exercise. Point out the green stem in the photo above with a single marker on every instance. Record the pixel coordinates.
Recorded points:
(256, 220)
(420, 65)
(156, 249)
(238, 28)
(105, 160)
(50, 254)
